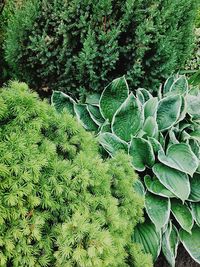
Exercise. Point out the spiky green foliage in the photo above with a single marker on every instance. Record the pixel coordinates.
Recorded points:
(60, 204)
(81, 45)
(7, 8)
(162, 136)
(198, 19)
(1, 39)
(194, 62)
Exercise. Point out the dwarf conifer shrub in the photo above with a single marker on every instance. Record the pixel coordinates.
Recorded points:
(1, 40)
(7, 8)
(81, 45)
(198, 19)
(60, 204)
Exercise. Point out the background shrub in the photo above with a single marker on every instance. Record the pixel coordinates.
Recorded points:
(198, 19)
(1, 41)
(194, 62)
(81, 45)
(60, 205)
(7, 8)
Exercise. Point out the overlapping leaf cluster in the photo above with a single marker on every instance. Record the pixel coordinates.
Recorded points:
(60, 204)
(162, 135)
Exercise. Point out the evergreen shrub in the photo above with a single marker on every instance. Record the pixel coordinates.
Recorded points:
(194, 62)
(1, 40)
(198, 19)
(80, 45)
(60, 204)
(7, 8)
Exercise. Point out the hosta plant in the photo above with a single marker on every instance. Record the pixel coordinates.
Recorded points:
(60, 203)
(162, 135)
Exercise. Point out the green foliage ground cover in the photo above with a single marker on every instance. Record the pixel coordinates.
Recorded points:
(198, 19)
(2, 63)
(60, 204)
(162, 135)
(7, 8)
(192, 67)
(193, 64)
(79, 46)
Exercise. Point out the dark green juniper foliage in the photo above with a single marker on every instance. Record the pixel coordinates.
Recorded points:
(7, 8)
(60, 204)
(2, 4)
(81, 45)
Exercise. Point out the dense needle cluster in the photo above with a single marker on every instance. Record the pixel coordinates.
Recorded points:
(79, 46)
(60, 204)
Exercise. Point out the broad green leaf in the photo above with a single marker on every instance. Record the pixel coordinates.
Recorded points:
(140, 97)
(177, 182)
(150, 107)
(164, 229)
(196, 212)
(60, 101)
(127, 119)
(195, 146)
(159, 92)
(168, 84)
(168, 112)
(150, 240)
(191, 242)
(161, 139)
(172, 137)
(143, 95)
(93, 99)
(198, 170)
(180, 157)
(141, 133)
(182, 214)
(95, 114)
(195, 135)
(150, 127)
(185, 136)
(84, 118)
(184, 125)
(179, 86)
(106, 127)
(170, 242)
(195, 188)
(194, 90)
(154, 186)
(113, 96)
(158, 209)
(195, 120)
(193, 104)
(183, 110)
(111, 143)
(139, 187)
(155, 144)
(141, 153)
